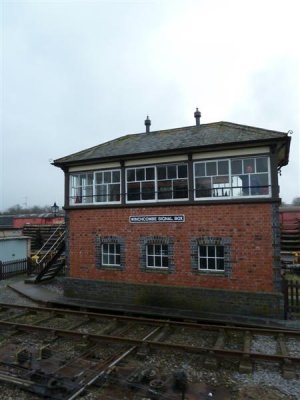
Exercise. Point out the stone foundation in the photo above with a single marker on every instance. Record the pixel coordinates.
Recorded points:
(198, 300)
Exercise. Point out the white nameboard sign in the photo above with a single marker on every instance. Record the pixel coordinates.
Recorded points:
(148, 219)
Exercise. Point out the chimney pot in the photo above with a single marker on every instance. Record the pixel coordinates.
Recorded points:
(197, 115)
(147, 123)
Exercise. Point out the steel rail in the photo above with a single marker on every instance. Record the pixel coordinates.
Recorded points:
(111, 365)
(160, 345)
(205, 326)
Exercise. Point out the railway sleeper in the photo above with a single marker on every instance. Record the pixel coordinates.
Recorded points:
(288, 369)
(211, 361)
(246, 365)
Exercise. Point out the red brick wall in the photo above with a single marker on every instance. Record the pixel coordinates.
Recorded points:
(248, 225)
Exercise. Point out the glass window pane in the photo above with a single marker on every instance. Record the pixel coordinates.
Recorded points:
(164, 249)
(200, 169)
(211, 251)
(211, 263)
(264, 182)
(90, 179)
(115, 176)
(220, 251)
(161, 173)
(107, 177)
(262, 164)
(88, 198)
(172, 172)
(236, 167)
(202, 251)
(105, 248)
(150, 249)
(220, 264)
(248, 165)
(148, 190)
(140, 174)
(99, 178)
(150, 261)
(165, 262)
(104, 259)
(157, 261)
(130, 175)
(111, 248)
(157, 249)
(150, 173)
(255, 184)
(164, 190)
(133, 191)
(223, 167)
(118, 260)
(203, 263)
(180, 189)
(111, 259)
(114, 192)
(118, 249)
(182, 171)
(211, 168)
(101, 193)
(203, 187)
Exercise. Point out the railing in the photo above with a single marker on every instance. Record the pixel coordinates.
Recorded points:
(52, 249)
(54, 234)
(291, 292)
(13, 268)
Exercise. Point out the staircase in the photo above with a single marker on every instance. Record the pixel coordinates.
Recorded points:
(49, 260)
(290, 235)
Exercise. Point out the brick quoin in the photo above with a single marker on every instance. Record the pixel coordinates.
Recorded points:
(248, 225)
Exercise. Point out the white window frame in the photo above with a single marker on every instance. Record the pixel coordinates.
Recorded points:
(220, 192)
(116, 252)
(162, 255)
(156, 181)
(208, 257)
(81, 190)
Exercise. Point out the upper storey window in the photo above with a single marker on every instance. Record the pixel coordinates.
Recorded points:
(96, 187)
(232, 178)
(158, 183)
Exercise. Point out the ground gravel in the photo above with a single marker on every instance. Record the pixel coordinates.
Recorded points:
(265, 383)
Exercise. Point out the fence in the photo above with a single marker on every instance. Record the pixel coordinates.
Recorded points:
(291, 292)
(12, 268)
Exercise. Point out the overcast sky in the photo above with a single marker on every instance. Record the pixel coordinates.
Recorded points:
(77, 73)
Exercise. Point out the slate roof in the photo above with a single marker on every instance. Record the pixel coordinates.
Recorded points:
(191, 137)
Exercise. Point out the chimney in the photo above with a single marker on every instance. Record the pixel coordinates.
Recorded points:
(197, 115)
(147, 123)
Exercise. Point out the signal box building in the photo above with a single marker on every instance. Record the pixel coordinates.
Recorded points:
(182, 219)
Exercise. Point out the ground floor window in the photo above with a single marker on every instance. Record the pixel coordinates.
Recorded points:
(157, 254)
(211, 254)
(110, 252)
(211, 258)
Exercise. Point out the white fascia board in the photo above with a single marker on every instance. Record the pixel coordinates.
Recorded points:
(156, 160)
(248, 151)
(94, 167)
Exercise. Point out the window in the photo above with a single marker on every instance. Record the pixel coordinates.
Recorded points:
(141, 184)
(232, 178)
(211, 255)
(95, 187)
(82, 188)
(110, 253)
(159, 183)
(157, 254)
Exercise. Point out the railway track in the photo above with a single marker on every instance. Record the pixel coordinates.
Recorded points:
(63, 354)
